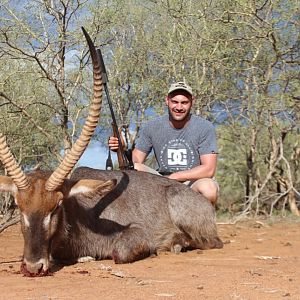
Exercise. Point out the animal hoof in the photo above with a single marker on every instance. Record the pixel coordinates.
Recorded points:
(85, 259)
(176, 249)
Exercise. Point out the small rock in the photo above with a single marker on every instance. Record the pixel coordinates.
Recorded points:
(143, 282)
(165, 295)
(83, 272)
(118, 273)
(257, 225)
(252, 273)
(265, 257)
(105, 268)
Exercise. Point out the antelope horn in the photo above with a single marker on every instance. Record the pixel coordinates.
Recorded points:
(71, 158)
(11, 166)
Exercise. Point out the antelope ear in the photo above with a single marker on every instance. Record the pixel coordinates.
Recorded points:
(7, 185)
(90, 187)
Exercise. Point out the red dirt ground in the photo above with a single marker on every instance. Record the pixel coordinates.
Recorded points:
(259, 260)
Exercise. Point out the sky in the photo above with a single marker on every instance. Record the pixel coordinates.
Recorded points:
(95, 156)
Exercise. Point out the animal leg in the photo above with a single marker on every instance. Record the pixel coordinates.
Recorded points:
(132, 245)
(195, 218)
(180, 242)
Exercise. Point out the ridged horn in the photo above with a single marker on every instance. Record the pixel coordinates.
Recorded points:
(71, 158)
(12, 167)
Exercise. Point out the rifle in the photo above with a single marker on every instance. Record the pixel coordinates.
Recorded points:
(124, 157)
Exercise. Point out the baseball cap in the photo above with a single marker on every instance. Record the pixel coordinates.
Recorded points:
(180, 86)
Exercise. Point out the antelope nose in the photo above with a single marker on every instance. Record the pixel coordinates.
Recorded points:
(34, 268)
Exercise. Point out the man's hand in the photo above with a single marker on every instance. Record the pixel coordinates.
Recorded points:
(205, 170)
(113, 143)
(176, 176)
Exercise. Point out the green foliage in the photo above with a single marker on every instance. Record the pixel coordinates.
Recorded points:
(240, 57)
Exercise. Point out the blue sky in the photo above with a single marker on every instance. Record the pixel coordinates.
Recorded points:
(95, 156)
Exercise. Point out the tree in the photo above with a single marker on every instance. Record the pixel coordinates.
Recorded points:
(240, 57)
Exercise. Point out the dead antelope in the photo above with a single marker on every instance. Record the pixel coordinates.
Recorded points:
(123, 215)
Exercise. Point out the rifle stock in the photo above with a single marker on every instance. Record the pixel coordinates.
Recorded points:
(123, 164)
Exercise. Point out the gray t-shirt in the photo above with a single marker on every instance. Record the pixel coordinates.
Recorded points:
(177, 149)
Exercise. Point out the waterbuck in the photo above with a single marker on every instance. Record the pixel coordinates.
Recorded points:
(123, 215)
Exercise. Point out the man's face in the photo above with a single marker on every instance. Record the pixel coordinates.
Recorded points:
(179, 104)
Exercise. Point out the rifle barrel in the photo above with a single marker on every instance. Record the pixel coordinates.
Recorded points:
(123, 163)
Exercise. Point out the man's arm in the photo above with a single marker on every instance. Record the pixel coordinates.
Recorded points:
(138, 156)
(207, 169)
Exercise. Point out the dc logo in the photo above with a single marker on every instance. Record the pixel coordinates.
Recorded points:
(177, 157)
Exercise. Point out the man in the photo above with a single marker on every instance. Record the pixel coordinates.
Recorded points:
(184, 144)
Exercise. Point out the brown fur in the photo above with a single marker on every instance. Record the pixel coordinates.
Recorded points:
(123, 215)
